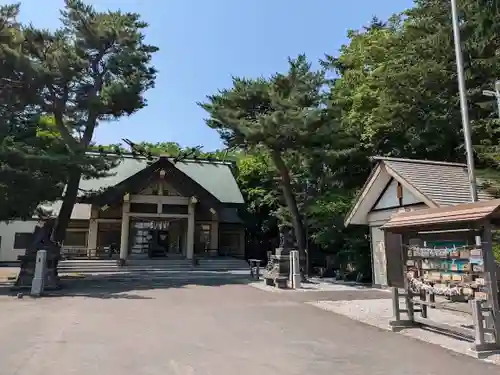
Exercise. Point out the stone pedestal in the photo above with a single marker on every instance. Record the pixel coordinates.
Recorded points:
(278, 270)
(27, 272)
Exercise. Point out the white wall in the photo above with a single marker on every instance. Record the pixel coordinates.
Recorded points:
(379, 261)
(7, 234)
(390, 197)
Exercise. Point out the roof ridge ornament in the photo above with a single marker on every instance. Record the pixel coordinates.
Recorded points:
(140, 150)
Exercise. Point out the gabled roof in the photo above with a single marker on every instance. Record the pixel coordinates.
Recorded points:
(435, 183)
(214, 176)
(445, 184)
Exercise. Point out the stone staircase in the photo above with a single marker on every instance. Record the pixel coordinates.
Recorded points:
(157, 268)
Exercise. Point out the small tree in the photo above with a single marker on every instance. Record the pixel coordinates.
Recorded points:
(95, 68)
(276, 115)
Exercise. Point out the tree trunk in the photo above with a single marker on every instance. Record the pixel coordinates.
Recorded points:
(291, 202)
(68, 203)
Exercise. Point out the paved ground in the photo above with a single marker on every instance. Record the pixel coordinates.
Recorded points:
(209, 327)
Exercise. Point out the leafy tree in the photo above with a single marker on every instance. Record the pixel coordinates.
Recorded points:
(398, 86)
(95, 68)
(257, 179)
(395, 93)
(274, 116)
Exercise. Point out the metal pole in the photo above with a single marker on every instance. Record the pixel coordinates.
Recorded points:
(497, 94)
(308, 265)
(463, 102)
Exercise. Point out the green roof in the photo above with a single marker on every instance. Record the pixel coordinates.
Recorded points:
(214, 176)
(127, 168)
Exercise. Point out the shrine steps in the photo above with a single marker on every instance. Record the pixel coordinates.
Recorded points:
(155, 266)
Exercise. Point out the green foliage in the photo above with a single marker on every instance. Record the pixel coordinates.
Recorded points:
(275, 116)
(257, 180)
(301, 142)
(394, 93)
(280, 113)
(398, 87)
(32, 164)
(95, 67)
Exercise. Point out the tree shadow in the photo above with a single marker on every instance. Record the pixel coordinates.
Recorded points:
(123, 288)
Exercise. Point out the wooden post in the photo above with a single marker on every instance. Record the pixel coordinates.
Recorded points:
(423, 307)
(191, 228)
(432, 298)
(395, 304)
(125, 229)
(405, 239)
(477, 318)
(491, 280)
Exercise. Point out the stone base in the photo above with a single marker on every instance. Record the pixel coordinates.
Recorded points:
(278, 282)
(481, 351)
(27, 271)
(280, 252)
(398, 325)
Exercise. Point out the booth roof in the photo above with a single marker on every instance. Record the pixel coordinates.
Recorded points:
(444, 216)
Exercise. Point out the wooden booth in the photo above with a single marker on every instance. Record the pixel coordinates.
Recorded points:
(446, 257)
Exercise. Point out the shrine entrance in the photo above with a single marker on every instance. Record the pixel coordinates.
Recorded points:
(157, 238)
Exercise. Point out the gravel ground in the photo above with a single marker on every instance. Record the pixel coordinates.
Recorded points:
(378, 313)
(316, 286)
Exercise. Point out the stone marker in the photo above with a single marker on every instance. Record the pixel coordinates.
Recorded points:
(41, 241)
(295, 276)
(39, 276)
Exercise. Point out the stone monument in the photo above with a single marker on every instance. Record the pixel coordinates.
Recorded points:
(278, 269)
(42, 240)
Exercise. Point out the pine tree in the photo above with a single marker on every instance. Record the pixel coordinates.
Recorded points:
(32, 166)
(276, 116)
(95, 68)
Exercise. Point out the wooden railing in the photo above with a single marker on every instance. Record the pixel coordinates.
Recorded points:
(79, 252)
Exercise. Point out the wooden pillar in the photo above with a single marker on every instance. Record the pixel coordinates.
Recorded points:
(125, 231)
(242, 243)
(190, 228)
(92, 237)
(214, 235)
(93, 231)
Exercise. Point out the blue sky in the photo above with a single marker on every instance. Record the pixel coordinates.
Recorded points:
(205, 42)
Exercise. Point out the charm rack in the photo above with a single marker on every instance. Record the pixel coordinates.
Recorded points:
(466, 273)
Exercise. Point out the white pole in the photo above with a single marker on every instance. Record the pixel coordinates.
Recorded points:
(497, 95)
(463, 102)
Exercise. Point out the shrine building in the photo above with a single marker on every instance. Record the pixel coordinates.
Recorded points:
(158, 208)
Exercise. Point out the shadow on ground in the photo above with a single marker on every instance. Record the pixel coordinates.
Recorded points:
(127, 287)
(109, 288)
